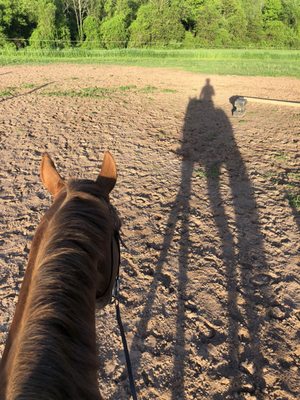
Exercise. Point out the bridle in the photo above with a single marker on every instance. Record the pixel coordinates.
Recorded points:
(110, 290)
(116, 242)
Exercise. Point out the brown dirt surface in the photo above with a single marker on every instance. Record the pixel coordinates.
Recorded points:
(210, 280)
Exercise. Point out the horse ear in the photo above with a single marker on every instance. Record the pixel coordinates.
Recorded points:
(49, 176)
(108, 175)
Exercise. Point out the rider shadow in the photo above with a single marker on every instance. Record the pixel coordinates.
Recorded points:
(208, 141)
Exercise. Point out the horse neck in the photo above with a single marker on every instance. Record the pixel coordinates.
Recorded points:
(56, 324)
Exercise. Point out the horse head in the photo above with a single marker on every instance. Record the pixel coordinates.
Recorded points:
(101, 189)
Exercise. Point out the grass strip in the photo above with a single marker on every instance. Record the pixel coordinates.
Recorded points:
(211, 61)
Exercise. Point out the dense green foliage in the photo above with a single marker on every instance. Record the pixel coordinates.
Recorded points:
(150, 23)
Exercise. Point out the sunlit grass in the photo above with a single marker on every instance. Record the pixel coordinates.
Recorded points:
(8, 92)
(29, 85)
(212, 61)
(213, 172)
(85, 92)
(288, 183)
(101, 92)
(294, 200)
(127, 88)
(148, 89)
(281, 156)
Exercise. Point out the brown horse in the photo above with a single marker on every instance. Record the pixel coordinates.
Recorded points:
(50, 352)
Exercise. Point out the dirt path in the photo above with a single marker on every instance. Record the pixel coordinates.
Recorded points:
(210, 292)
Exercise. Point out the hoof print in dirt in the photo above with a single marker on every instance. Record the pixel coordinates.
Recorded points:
(246, 385)
(261, 280)
(247, 367)
(206, 332)
(277, 313)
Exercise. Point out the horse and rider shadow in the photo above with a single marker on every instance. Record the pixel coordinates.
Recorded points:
(208, 141)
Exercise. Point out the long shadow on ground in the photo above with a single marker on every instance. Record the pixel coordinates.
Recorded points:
(208, 141)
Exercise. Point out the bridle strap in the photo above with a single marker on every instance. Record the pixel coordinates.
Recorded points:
(116, 300)
(126, 352)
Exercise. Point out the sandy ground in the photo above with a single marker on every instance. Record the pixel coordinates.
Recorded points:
(210, 279)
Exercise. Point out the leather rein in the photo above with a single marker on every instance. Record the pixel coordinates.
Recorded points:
(115, 298)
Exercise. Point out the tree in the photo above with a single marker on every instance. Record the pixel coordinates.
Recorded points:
(151, 22)
(272, 10)
(95, 8)
(109, 8)
(235, 21)
(291, 17)
(91, 30)
(44, 34)
(125, 7)
(6, 13)
(114, 32)
(253, 13)
(3, 39)
(80, 9)
(210, 30)
(291, 13)
(14, 23)
(189, 11)
(51, 29)
(276, 34)
(157, 24)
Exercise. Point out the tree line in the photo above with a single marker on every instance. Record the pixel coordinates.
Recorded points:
(149, 23)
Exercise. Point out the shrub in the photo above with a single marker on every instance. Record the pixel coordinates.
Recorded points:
(157, 24)
(189, 41)
(209, 25)
(91, 30)
(51, 30)
(277, 34)
(114, 33)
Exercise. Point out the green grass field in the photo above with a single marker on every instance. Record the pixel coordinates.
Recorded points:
(213, 61)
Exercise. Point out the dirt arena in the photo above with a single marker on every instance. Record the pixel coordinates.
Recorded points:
(210, 280)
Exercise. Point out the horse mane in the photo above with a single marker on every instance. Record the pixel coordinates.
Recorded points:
(60, 307)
